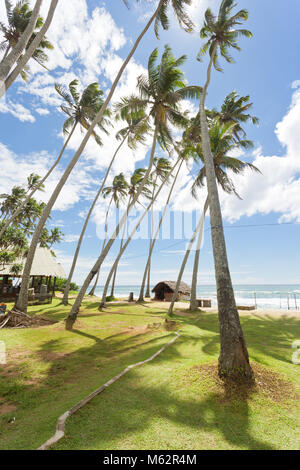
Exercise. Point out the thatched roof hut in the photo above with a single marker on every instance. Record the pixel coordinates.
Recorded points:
(164, 290)
(44, 268)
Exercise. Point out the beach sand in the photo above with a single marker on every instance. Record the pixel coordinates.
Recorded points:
(275, 313)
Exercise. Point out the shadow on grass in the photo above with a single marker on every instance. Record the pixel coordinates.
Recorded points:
(71, 376)
(265, 335)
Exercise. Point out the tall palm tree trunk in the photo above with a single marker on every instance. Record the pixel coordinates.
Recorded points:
(102, 304)
(147, 267)
(36, 188)
(93, 289)
(17, 51)
(33, 46)
(150, 244)
(234, 358)
(76, 306)
(148, 293)
(5, 53)
(65, 300)
(115, 273)
(193, 301)
(183, 265)
(23, 296)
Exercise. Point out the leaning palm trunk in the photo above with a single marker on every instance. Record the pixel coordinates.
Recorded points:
(76, 306)
(31, 49)
(233, 359)
(193, 301)
(93, 289)
(15, 54)
(154, 238)
(115, 273)
(150, 244)
(102, 304)
(67, 288)
(39, 185)
(185, 259)
(23, 295)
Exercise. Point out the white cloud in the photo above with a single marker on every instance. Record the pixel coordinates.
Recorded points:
(16, 168)
(17, 110)
(42, 111)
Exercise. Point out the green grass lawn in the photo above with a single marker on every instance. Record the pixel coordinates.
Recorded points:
(174, 402)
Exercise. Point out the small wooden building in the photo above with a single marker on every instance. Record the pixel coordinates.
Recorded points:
(164, 290)
(45, 268)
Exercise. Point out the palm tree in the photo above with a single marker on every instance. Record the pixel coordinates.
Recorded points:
(162, 92)
(222, 143)
(14, 55)
(221, 33)
(152, 201)
(80, 110)
(18, 20)
(161, 168)
(118, 191)
(234, 109)
(154, 236)
(133, 188)
(134, 132)
(32, 47)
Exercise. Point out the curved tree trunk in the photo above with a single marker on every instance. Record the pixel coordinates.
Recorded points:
(115, 273)
(150, 244)
(93, 289)
(65, 300)
(23, 296)
(147, 268)
(233, 359)
(5, 53)
(102, 304)
(21, 206)
(17, 51)
(193, 301)
(183, 265)
(33, 46)
(148, 293)
(76, 306)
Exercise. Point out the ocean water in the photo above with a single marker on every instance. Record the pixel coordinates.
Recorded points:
(267, 296)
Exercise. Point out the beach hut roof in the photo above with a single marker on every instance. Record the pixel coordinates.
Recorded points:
(183, 288)
(44, 264)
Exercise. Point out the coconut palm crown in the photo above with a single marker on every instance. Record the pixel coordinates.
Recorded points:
(18, 18)
(83, 108)
(222, 32)
(161, 92)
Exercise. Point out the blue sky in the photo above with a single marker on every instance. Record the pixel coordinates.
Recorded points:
(90, 42)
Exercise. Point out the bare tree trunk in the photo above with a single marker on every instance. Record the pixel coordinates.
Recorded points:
(23, 296)
(17, 51)
(76, 306)
(115, 273)
(102, 304)
(141, 296)
(183, 265)
(65, 300)
(233, 359)
(42, 181)
(193, 301)
(148, 293)
(5, 53)
(92, 291)
(150, 244)
(31, 49)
